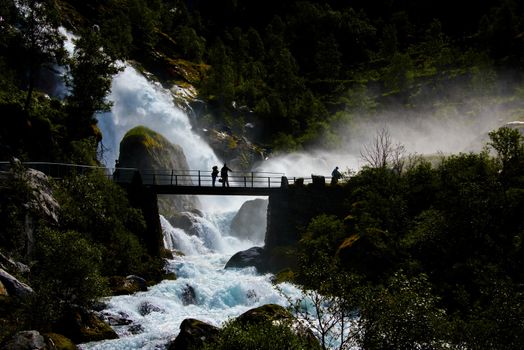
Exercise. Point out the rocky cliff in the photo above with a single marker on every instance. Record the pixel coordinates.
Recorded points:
(146, 149)
(250, 221)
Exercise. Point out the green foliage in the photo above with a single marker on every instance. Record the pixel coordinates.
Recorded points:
(37, 41)
(14, 196)
(261, 335)
(403, 315)
(98, 208)
(509, 145)
(91, 74)
(67, 272)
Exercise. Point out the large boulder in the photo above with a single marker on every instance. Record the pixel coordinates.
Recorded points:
(250, 220)
(25, 340)
(31, 192)
(147, 150)
(193, 334)
(187, 221)
(250, 257)
(267, 312)
(13, 286)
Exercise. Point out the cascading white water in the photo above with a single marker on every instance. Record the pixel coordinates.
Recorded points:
(203, 289)
(139, 101)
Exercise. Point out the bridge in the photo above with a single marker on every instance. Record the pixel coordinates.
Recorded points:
(172, 181)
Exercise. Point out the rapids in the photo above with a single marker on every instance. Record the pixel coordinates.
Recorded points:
(203, 289)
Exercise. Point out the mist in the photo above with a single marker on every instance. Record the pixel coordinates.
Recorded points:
(437, 127)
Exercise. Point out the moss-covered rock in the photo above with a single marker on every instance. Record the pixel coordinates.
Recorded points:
(59, 342)
(147, 150)
(193, 334)
(268, 312)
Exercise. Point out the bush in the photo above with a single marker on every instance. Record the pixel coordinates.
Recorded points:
(99, 209)
(66, 272)
(260, 336)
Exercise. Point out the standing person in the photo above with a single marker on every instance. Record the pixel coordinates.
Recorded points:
(335, 176)
(224, 175)
(116, 173)
(214, 174)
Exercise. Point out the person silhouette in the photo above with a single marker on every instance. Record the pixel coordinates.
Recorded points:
(214, 174)
(224, 175)
(116, 173)
(335, 176)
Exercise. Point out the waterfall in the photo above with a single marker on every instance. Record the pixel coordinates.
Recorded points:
(139, 101)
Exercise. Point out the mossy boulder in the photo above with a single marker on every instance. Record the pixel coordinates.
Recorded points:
(127, 285)
(147, 150)
(264, 313)
(193, 334)
(59, 342)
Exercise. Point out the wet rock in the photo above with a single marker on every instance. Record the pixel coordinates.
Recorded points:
(193, 334)
(13, 286)
(128, 285)
(82, 326)
(187, 221)
(267, 312)
(252, 295)
(9, 264)
(146, 308)
(188, 295)
(250, 257)
(250, 220)
(25, 340)
(122, 319)
(136, 329)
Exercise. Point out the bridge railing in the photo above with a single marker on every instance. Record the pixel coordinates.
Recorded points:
(201, 178)
(59, 170)
(171, 177)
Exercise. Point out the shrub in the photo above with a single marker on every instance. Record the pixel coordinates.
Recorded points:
(66, 272)
(264, 335)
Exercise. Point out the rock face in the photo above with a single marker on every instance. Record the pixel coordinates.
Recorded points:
(250, 257)
(146, 149)
(31, 191)
(250, 221)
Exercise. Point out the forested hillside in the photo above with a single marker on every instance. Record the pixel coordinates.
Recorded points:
(297, 70)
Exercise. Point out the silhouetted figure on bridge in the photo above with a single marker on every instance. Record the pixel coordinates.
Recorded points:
(116, 173)
(224, 175)
(214, 175)
(335, 176)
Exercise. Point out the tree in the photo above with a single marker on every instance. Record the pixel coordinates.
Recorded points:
(37, 22)
(508, 143)
(382, 153)
(91, 74)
